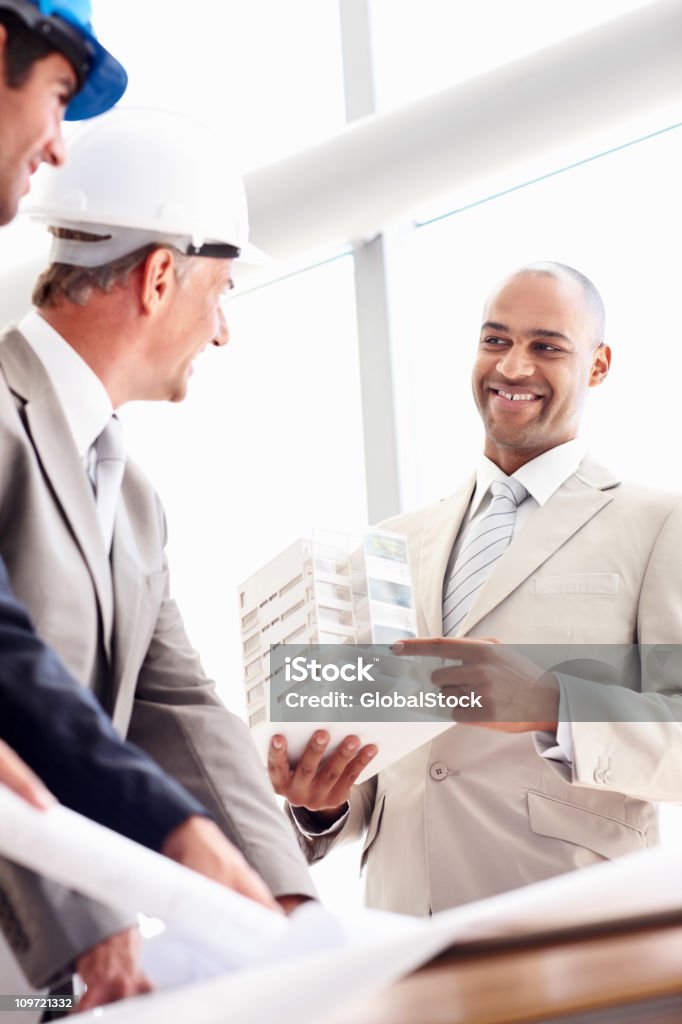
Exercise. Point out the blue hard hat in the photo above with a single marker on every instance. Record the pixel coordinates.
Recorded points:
(66, 25)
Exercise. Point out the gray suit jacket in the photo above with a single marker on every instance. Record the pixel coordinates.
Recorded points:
(599, 563)
(117, 629)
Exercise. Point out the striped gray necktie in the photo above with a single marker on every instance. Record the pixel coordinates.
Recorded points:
(484, 543)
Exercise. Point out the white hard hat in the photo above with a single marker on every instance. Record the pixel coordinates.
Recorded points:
(139, 176)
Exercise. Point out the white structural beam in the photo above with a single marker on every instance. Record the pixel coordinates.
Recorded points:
(356, 52)
(381, 319)
(384, 167)
(375, 296)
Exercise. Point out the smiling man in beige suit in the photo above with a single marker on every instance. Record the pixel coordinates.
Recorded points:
(541, 546)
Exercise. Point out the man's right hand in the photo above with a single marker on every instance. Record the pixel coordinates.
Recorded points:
(111, 969)
(21, 780)
(200, 845)
(317, 783)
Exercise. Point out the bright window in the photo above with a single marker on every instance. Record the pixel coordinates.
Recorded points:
(437, 43)
(266, 74)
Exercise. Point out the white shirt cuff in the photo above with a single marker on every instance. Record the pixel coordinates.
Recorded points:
(557, 747)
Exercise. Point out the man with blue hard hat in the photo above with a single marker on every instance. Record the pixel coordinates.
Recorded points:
(51, 66)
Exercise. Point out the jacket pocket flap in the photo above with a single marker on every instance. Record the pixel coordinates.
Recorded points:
(578, 583)
(608, 837)
(373, 827)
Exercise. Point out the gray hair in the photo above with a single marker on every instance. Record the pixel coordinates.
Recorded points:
(62, 282)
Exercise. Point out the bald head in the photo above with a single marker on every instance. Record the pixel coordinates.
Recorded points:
(592, 300)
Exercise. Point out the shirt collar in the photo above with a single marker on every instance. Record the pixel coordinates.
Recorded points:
(84, 399)
(541, 476)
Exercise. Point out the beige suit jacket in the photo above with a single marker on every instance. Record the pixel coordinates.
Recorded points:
(117, 629)
(599, 563)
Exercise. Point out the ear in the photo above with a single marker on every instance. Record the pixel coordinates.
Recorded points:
(601, 361)
(157, 281)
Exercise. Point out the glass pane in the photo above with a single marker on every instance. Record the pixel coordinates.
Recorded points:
(266, 73)
(419, 49)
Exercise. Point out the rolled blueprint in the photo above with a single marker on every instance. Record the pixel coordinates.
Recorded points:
(116, 871)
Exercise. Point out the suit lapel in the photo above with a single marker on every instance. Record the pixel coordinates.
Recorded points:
(54, 447)
(129, 589)
(437, 541)
(580, 498)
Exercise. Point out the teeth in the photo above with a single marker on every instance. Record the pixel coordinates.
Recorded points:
(516, 398)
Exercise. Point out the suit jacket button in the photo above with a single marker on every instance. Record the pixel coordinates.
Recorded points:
(438, 771)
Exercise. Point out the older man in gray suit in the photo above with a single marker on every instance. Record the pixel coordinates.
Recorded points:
(540, 546)
(148, 223)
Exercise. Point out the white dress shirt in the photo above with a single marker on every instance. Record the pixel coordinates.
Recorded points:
(541, 477)
(84, 399)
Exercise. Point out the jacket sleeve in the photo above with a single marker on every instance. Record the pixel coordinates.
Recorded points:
(316, 846)
(178, 719)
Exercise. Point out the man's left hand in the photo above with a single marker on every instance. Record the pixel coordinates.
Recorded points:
(111, 970)
(516, 694)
